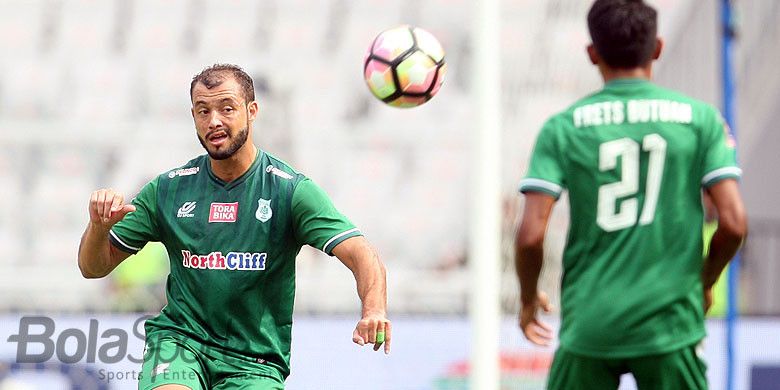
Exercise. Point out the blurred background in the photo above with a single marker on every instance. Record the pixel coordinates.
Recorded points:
(94, 93)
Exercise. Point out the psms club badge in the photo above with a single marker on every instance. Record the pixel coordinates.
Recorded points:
(264, 212)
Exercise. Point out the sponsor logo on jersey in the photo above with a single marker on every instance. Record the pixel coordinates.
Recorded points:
(233, 261)
(278, 172)
(186, 209)
(223, 212)
(183, 172)
(264, 212)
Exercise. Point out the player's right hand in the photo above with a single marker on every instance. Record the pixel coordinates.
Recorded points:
(535, 330)
(107, 207)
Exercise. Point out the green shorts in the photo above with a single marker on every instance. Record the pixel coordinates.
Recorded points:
(175, 360)
(678, 370)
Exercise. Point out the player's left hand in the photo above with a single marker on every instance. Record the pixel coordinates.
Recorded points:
(535, 330)
(373, 329)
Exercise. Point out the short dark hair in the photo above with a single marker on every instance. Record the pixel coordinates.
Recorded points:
(624, 32)
(216, 74)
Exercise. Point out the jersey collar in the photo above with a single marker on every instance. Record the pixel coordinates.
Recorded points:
(627, 82)
(249, 172)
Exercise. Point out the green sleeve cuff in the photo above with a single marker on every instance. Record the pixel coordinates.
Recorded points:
(720, 174)
(337, 239)
(539, 185)
(121, 244)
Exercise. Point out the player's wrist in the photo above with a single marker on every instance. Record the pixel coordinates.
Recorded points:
(528, 299)
(374, 313)
(99, 227)
(527, 306)
(708, 277)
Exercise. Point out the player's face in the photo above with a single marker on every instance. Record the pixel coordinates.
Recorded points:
(222, 118)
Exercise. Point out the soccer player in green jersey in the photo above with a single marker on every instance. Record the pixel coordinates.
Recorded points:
(634, 158)
(232, 222)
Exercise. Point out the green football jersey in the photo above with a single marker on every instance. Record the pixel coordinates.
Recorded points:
(634, 158)
(232, 249)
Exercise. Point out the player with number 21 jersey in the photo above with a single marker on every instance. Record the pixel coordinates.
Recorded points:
(627, 154)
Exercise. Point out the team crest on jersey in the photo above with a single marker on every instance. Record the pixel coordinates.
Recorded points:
(223, 212)
(264, 212)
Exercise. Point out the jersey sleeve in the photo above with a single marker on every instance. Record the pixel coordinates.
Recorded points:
(720, 160)
(545, 173)
(317, 221)
(140, 226)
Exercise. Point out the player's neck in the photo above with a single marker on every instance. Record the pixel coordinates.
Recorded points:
(236, 165)
(609, 74)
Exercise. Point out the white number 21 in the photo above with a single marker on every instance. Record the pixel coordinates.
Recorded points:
(627, 149)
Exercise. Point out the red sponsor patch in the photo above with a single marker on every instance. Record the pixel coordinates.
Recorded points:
(223, 212)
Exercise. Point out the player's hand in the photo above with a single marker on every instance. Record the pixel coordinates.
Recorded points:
(369, 327)
(707, 299)
(107, 207)
(535, 330)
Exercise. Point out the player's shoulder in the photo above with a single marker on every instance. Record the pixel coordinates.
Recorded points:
(190, 168)
(163, 181)
(673, 94)
(270, 164)
(701, 109)
(563, 119)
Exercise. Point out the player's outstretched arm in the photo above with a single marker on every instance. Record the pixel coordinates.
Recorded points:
(732, 229)
(97, 257)
(529, 255)
(374, 328)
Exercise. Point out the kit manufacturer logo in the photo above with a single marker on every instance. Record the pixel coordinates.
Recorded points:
(186, 209)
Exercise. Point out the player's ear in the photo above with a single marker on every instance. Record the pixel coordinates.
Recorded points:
(253, 108)
(659, 45)
(593, 55)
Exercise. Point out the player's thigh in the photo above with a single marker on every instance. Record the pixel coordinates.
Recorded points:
(229, 372)
(249, 382)
(169, 362)
(682, 369)
(576, 372)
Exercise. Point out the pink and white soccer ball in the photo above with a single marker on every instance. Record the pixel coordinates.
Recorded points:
(404, 66)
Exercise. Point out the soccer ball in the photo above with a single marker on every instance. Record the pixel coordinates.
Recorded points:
(404, 66)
